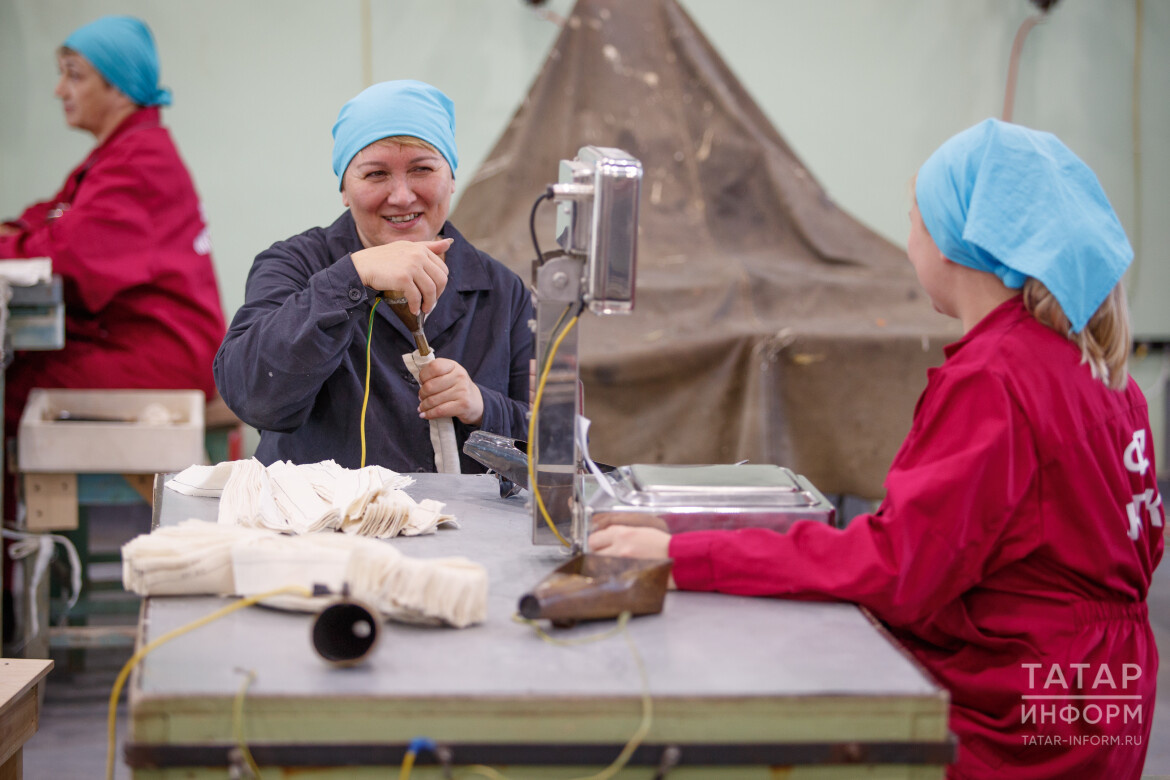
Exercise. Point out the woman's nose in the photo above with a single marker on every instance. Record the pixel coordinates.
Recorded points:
(400, 191)
(59, 91)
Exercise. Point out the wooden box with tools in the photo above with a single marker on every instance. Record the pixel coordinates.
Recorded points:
(67, 432)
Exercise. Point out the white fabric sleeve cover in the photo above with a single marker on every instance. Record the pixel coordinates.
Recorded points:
(443, 429)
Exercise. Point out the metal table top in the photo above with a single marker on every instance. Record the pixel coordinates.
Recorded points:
(720, 669)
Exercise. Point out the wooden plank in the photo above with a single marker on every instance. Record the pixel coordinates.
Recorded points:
(18, 675)
(19, 706)
(143, 485)
(51, 502)
(111, 489)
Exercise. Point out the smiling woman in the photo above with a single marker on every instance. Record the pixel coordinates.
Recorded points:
(398, 189)
(294, 362)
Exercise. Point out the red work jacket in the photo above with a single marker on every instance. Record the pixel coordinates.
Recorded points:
(127, 235)
(1012, 555)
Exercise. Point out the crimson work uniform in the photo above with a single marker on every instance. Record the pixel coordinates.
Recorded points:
(1012, 555)
(127, 236)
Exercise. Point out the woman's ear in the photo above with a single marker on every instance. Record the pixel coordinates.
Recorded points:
(344, 197)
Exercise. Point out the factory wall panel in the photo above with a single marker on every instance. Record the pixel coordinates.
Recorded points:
(862, 89)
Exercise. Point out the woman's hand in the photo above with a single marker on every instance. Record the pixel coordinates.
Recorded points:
(8, 230)
(602, 520)
(416, 268)
(629, 541)
(446, 390)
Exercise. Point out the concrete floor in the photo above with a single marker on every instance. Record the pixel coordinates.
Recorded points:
(71, 742)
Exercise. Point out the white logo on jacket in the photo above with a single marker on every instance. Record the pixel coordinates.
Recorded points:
(1136, 462)
(202, 243)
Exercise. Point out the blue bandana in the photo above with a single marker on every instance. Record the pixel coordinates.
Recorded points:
(1018, 203)
(121, 48)
(394, 108)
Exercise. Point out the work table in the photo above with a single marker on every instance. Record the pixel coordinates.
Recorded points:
(809, 682)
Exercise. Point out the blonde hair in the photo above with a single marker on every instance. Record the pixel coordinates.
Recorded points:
(1105, 342)
(409, 140)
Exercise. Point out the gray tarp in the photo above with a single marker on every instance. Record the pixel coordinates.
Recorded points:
(769, 324)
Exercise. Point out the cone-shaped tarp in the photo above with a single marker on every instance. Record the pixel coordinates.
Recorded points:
(768, 324)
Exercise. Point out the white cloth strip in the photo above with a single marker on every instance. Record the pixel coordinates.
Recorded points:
(443, 439)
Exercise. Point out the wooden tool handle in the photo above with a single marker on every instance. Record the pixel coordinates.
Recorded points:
(398, 304)
(397, 301)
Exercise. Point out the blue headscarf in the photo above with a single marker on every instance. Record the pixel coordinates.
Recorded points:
(1018, 203)
(394, 108)
(122, 50)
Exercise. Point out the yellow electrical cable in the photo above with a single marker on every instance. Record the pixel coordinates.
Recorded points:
(647, 702)
(407, 765)
(366, 399)
(482, 771)
(647, 710)
(584, 640)
(532, 431)
(238, 721)
(112, 717)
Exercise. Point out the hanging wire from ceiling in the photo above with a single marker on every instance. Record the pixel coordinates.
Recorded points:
(1009, 97)
(1136, 121)
(547, 14)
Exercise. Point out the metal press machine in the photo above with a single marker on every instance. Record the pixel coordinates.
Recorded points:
(596, 197)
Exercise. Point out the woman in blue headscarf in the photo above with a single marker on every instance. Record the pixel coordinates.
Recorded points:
(125, 233)
(1022, 522)
(322, 373)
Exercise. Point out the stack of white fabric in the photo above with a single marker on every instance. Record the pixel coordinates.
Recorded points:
(197, 557)
(314, 497)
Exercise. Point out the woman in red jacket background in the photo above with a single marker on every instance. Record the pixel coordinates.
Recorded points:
(1022, 522)
(126, 233)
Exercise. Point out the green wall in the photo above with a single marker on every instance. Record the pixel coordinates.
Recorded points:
(864, 90)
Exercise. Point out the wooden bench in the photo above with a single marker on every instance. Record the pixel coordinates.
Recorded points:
(21, 681)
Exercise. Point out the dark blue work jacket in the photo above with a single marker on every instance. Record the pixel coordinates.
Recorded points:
(293, 362)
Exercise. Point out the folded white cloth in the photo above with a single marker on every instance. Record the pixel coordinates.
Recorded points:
(205, 481)
(192, 557)
(313, 497)
(197, 557)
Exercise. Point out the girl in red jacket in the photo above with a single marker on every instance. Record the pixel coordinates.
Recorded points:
(1022, 521)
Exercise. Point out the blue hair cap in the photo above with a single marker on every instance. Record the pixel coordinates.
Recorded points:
(394, 108)
(121, 48)
(1018, 203)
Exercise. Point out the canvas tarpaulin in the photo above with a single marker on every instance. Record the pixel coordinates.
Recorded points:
(769, 325)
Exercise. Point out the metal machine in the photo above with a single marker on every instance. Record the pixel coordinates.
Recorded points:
(597, 227)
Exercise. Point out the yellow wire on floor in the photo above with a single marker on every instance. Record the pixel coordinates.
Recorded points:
(366, 398)
(115, 694)
(532, 431)
(238, 721)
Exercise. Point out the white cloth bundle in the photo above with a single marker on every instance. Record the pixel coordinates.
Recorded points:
(314, 497)
(193, 557)
(443, 439)
(197, 557)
